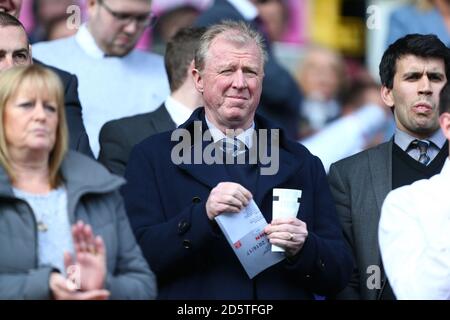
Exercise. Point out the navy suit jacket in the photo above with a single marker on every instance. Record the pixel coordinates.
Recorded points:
(165, 203)
(78, 138)
(118, 137)
(281, 97)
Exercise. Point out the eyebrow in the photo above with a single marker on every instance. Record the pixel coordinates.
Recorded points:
(418, 73)
(232, 66)
(21, 50)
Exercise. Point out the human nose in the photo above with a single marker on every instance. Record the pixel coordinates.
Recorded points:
(239, 81)
(7, 63)
(39, 112)
(424, 86)
(132, 26)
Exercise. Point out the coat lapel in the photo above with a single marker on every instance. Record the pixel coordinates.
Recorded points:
(380, 170)
(283, 151)
(208, 174)
(161, 120)
(380, 167)
(211, 175)
(288, 165)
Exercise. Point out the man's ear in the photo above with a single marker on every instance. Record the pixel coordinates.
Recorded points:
(198, 80)
(444, 121)
(190, 69)
(386, 96)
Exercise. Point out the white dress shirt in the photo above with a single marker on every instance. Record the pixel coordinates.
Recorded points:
(414, 237)
(177, 111)
(246, 136)
(109, 87)
(403, 140)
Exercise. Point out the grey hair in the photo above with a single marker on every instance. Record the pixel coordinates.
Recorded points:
(234, 31)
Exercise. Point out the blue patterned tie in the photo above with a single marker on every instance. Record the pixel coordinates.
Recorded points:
(422, 146)
(234, 146)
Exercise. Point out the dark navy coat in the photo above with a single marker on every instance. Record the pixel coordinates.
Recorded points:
(165, 203)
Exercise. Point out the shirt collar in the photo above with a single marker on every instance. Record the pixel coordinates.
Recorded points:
(246, 137)
(403, 139)
(247, 9)
(177, 111)
(87, 42)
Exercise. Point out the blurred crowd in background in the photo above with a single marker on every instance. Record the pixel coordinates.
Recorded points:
(332, 48)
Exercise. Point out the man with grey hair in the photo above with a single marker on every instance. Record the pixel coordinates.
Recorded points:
(172, 205)
(281, 98)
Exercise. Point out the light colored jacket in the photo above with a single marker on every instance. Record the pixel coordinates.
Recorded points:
(93, 196)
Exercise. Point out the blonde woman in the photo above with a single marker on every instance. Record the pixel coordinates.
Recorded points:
(63, 230)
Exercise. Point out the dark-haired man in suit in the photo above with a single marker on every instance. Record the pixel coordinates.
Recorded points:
(15, 50)
(118, 137)
(413, 71)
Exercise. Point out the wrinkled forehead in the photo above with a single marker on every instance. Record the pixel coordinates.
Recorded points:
(224, 45)
(410, 62)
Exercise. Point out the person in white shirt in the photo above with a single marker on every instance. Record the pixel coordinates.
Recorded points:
(115, 80)
(414, 230)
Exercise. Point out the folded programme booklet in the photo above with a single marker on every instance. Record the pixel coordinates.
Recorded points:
(245, 234)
